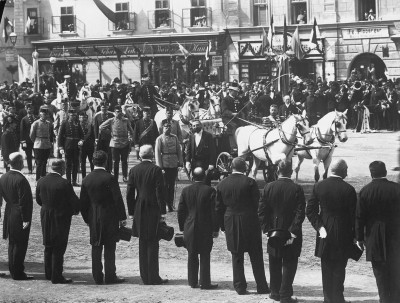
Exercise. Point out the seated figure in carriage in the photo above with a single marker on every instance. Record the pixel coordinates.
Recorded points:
(273, 120)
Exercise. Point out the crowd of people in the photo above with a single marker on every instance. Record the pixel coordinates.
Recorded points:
(105, 135)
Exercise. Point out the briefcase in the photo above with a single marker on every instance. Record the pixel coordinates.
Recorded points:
(165, 232)
(125, 233)
(355, 252)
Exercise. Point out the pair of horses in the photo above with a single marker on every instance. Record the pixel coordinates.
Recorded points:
(278, 144)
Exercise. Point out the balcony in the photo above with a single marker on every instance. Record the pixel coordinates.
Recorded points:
(161, 20)
(68, 25)
(197, 18)
(126, 22)
(34, 28)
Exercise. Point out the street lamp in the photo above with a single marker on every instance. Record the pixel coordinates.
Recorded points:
(13, 38)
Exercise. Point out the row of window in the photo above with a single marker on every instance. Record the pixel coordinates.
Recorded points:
(196, 16)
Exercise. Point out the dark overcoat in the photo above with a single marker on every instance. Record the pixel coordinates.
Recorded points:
(204, 154)
(196, 217)
(236, 207)
(59, 202)
(145, 199)
(150, 137)
(378, 219)
(16, 191)
(282, 206)
(102, 206)
(333, 204)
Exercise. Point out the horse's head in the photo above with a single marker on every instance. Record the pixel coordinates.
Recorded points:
(190, 109)
(303, 126)
(62, 92)
(339, 125)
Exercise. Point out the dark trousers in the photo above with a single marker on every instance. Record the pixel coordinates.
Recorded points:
(282, 272)
(257, 263)
(333, 275)
(169, 182)
(28, 152)
(41, 157)
(109, 262)
(193, 269)
(387, 280)
(104, 145)
(148, 261)
(120, 154)
(72, 163)
(53, 262)
(85, 153)
(16, 258)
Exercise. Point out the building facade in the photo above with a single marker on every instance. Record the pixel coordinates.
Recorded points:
(168, 39)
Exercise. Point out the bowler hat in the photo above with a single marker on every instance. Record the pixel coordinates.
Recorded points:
(125, 233)
(165, 232)
(179, 240)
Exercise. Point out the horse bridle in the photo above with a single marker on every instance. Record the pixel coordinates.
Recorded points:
(335, 132)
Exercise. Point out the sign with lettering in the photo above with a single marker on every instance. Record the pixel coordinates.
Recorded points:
(10, 55)
(365, 32)
(216, 61)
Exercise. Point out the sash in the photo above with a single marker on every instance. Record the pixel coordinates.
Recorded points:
(146, 131)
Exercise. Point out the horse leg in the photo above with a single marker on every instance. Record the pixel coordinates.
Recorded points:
(297, 166)
(327, 163)
(254, 168)
(316, 162)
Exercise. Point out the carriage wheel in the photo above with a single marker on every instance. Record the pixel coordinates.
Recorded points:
(270, 173)
(223, 164)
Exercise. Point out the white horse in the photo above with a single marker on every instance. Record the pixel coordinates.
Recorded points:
(213, 111)
(322, 147)
(273, 145)
(62, 94)
(189, 110)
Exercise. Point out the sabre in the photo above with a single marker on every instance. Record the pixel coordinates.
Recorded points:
(250, 102)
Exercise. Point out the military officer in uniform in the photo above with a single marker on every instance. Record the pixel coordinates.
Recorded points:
(148, 94)
(146, 131)
(87, 145)
(103, 138)
(25, 128)
(42, 137)
(273, 120)
(175, 128)
(69, 136)
(231, 110)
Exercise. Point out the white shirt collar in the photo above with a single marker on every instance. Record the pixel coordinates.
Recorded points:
(336, 176)
(146, 160)
(99, 167)
(379, 178)
(54, 172)
(237, 173)
(12, 169)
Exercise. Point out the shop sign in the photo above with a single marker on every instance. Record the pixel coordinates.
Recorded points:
(10, 55)
(216, 61)
(365, 32)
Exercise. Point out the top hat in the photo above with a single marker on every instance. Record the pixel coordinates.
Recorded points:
(179, 240)
(357, 85)
(277, 237)
(165, 232)
(234, 86)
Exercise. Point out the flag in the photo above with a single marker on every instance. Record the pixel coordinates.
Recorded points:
(112, 16)
(284, 48)
(264, 42)
(271, 32)
(25, 70)
(184, 51)
(314, 35)
(28, 26)
(296, 45)
(2, 5)
(8, 29)
(138, 51)
(208, 50)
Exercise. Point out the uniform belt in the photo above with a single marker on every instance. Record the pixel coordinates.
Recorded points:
(43, 137)
(72, 138)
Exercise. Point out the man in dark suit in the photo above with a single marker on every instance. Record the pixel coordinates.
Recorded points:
(59, 202)
(103, 209)
(25, 129)
(146, 205)
(282, 207)
(311, 106)
(16, 191)
(145, 131)
(197, 220)
(378, 213)
(331, 211)
(87, 144)
(200, 150)
(103, 138)
(236, 206)
(148, 94)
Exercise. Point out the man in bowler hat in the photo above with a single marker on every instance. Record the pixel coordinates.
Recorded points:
(102, 208)
(282, 208)
(16, 191)
(236, 207)
(146, 205)
(197, 220)
(378, 227)
(59, 203)
(331, 211)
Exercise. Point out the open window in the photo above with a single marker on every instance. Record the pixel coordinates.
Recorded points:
(299, 11)
(260, 12)
(68, 23)
(366, 10)
(32, 21)
(125, 20)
